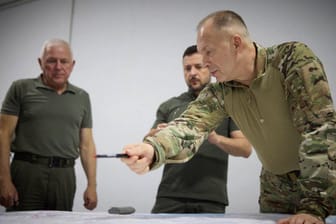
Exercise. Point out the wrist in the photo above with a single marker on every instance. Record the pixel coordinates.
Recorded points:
(5, 177)
(157, 158)
(315, 211)
(92, 185)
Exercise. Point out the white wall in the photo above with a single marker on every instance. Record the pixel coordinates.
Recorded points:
(128, 56)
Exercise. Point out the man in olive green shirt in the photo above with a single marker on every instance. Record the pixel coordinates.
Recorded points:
(200, 185)
(47, 123)
(280, 99)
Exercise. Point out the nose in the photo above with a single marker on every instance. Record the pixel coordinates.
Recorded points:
(193, 70)
(58, 64)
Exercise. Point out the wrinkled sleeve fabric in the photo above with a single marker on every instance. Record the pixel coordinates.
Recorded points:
(11, 104)
(182, 138)
(314, 117)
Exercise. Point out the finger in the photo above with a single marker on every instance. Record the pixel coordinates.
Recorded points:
(283, 221)
(87, 206)
(136, 168)
(140, 170)
(9, 202)
(130, 160)
(144, 171)
(140, 167)
(162, 125)
(90, 205)
(87, 203)
(16, 203)
(133, 150)
(298, 219)
(16, 199)
(3, 202)
(94, 205)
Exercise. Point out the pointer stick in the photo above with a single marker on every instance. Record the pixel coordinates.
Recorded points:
(118, 155)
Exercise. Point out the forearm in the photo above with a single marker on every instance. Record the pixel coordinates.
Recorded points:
(239, 147)
(88, 156)
(318, 165)
(181, 139)
(177, 143)
(88, 161)
(236, 144)
(4, 157)
(4, 164)
(7, 127)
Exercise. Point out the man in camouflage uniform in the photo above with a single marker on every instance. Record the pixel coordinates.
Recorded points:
(279, 98)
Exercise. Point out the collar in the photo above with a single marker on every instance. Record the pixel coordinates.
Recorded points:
(39, 84)
(192, 94)
(260, 65)
(261, 60)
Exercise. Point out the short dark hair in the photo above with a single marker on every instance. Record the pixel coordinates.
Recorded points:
(190, 50)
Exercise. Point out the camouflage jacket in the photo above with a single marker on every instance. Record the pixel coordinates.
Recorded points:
(289, 75)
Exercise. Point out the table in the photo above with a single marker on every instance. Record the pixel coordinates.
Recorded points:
(60, 217)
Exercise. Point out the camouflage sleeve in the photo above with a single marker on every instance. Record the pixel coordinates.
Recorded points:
(179, 141)
(313, 114)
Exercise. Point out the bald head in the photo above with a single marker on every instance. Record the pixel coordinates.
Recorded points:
(226, 20)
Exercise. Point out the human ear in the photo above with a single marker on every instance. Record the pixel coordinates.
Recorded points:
(236, 39)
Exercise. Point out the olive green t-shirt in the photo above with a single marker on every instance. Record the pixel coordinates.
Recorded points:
(48, 124)
(204, 177)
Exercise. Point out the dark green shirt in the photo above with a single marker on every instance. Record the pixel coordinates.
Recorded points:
(204, 177)
(49, 124)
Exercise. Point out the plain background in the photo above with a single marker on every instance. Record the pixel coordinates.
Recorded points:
(129, 58)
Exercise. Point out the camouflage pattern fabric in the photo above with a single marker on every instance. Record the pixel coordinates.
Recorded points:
(281, 193)
(314, 117)
(312, 112)
(278, 193)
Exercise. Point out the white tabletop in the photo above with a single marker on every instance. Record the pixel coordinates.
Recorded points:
(59, 217)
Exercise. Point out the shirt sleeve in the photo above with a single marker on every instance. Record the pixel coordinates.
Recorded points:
(87, 118)
(232, 126)
(161, 116)
(11, 103)
(313, 115)
(181, 139)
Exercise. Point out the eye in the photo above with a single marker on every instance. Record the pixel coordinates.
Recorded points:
(199, 66)
(209, 52)
(51, 61)
(65, 61)
(187, 68)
